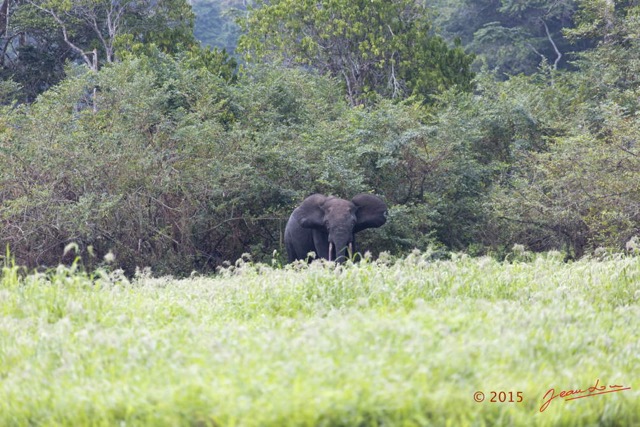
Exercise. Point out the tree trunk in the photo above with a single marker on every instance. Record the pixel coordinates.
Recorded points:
(609, 20)
(4, 17)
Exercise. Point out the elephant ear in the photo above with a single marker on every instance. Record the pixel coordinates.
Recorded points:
(371, 213)
(310, 213)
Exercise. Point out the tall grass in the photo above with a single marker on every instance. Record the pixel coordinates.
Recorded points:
(378, 343)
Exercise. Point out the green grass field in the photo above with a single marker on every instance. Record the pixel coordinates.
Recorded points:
(405, 343)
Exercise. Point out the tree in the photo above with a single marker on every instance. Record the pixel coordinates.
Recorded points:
(38, 37)
(606, 20)
(581, 191)
(32, 53)
(89, 24)
(383, 47)
(511, 36)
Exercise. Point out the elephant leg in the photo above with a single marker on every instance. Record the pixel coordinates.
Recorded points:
(291, 251)
(321, 243)
(354, 249)
(298, 242)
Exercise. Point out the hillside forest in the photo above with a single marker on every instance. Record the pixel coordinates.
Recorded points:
(179, 135)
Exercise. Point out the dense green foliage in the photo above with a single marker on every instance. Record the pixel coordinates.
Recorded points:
(176, 159)
(373, 46)
(581, 189)
(167, 165)
(512, 36)
(404, 343)
(37, 37)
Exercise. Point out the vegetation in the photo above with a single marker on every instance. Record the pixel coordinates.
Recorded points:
(373, 46)
(512, 36)
(37, 37)
(173, 156)
(396, 343)
(127, 144)
(215, 24)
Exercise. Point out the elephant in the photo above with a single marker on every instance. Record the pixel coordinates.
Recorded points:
(327, 225)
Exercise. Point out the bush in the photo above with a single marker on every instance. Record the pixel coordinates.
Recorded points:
(117, 160)
(169, 165)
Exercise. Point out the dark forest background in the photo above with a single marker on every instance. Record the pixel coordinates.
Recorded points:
(178, 135)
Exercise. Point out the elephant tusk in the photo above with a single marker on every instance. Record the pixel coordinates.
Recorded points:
(350, 250)
(330, 250)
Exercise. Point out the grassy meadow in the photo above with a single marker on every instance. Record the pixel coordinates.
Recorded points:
(394, 343)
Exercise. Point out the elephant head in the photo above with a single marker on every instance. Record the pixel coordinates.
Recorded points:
(327, 225)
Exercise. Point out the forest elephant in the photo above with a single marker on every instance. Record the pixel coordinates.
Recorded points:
(327, 225)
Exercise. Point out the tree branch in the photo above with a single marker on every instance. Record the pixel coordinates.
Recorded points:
(555, 47)
(93, 65)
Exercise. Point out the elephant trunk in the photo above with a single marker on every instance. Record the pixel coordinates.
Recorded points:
(340, 251)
